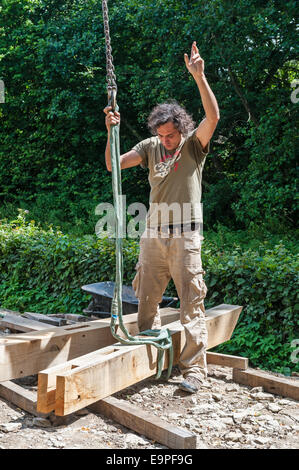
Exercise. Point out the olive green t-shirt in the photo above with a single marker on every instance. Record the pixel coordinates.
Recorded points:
(175, 180)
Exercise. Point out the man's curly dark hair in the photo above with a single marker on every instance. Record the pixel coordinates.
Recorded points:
(170, 112)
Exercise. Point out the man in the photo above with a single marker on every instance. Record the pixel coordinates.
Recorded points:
(171, 244)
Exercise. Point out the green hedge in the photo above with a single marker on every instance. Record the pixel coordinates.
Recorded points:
(265, 282)
(43, 271)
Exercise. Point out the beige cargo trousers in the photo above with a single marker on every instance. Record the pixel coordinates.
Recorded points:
(177, 256)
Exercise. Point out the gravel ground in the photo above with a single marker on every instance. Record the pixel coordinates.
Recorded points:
(223, 415)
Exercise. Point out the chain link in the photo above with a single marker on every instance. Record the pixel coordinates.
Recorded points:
(111, 77)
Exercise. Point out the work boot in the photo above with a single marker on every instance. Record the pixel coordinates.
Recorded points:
(191, 384)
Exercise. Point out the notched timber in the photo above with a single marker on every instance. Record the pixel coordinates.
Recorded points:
(88, 379)
(26, 354)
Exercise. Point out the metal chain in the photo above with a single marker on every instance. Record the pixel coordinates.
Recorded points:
(111, 78)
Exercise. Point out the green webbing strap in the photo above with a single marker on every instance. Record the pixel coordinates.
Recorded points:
(161, 339)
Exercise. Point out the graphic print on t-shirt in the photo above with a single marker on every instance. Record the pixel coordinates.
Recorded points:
(167, 162)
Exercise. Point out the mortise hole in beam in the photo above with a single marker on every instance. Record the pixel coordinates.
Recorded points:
(77, 327)
(109, 351)
(99, 354)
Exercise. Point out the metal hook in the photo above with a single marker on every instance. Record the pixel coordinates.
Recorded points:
(112, 98)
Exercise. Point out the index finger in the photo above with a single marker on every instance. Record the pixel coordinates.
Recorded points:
(194, 49)
(107, 109)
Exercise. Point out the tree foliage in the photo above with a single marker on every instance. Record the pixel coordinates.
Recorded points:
(52, 133)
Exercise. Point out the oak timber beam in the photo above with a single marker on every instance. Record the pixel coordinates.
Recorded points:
(27, 400)
(90, 378)
(21, 397)
(145, 423)
(227, 360)
(120, 411)
(19, 323)
(4, 311)
(258, 378)
(26, 354)
(41, 317)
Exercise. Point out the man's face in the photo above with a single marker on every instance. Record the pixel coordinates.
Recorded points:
(169, 136)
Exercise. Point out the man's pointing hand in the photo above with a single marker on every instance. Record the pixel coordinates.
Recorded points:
(195, 64)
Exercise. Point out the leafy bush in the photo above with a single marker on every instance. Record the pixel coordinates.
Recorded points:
(265, 282)
(43, 270)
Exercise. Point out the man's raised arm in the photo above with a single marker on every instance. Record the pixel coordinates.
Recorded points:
(195, 66)
(128, 159)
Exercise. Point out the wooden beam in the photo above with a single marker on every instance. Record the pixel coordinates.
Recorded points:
(73, 317)
(27, 353)
(124, 413)
(219, 330)
(47, 378)
(21, 397)
(4, 311)
(221, 323)
(27, 400)
(145, 423)
(19, 323)
(111, 371)
(227, 360)
(130, 359)
(90, 378)
(259, 378)
(45, 319)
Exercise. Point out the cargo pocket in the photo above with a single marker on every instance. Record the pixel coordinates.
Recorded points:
(198, 289)
(192, 242)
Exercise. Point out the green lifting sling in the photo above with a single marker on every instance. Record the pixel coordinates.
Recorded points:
(161, 339)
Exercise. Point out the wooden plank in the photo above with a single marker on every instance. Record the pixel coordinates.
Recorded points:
(21, 397)
(277, 385)
(124, 413)
(4, 311)
(19, 323)
(108, 370)
(221, 323)
(69, 316)
(45, 319)
(227, 360)
(47, 379)
(27, 400)
(125, 356)
(145, 423)
(27, 353)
